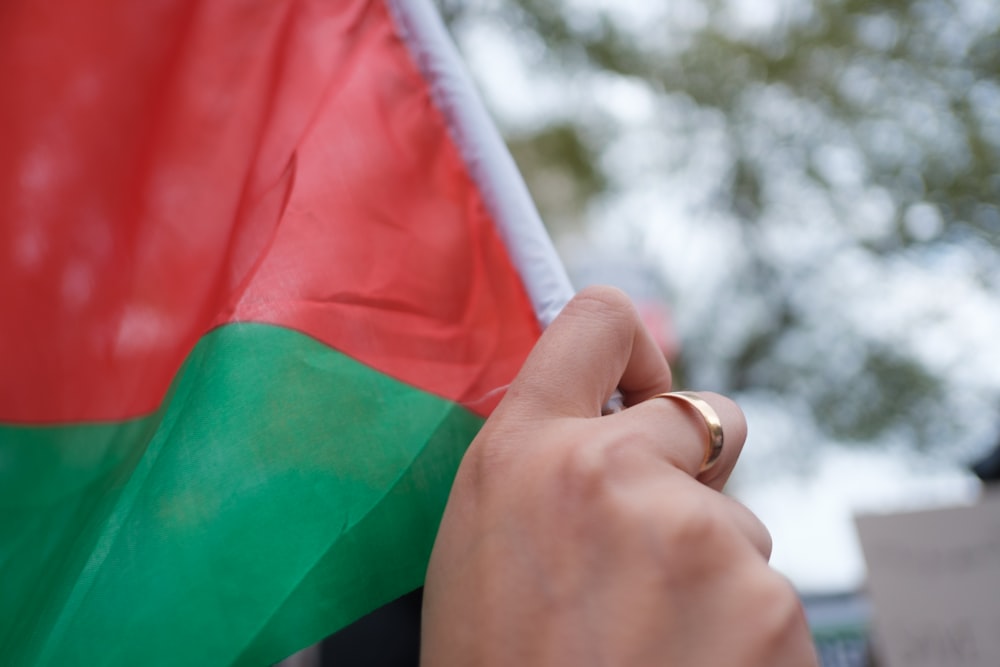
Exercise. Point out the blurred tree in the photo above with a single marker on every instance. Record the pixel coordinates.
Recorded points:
(839, 145)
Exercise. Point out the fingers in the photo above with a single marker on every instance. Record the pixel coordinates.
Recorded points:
(678, 433)
(675, 432)
(596, 344)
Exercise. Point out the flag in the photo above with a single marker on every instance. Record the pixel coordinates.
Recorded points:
(266, 268)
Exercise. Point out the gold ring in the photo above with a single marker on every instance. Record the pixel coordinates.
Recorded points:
(714, 449)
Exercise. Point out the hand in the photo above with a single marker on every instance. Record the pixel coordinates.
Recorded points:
(576, 539)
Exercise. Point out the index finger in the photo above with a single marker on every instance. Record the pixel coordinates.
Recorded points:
(596, 344)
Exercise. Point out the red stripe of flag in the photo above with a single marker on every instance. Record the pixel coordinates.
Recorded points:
(273, 162)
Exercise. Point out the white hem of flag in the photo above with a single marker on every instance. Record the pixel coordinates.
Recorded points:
(486, 157)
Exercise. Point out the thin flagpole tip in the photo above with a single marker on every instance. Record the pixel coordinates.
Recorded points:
(486, 156)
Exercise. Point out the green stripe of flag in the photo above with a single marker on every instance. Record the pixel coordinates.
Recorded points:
(282, 481)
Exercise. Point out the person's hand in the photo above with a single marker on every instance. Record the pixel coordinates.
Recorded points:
(572, 538)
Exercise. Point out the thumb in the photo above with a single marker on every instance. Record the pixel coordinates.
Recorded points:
(597, 343)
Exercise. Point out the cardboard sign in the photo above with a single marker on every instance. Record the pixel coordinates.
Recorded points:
(934, 582)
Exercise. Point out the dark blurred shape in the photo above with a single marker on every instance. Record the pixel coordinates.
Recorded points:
(387, 637)
(988, 468)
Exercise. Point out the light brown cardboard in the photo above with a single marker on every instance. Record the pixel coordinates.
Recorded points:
(934, 582)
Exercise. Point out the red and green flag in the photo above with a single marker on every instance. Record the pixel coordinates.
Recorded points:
(265, 268)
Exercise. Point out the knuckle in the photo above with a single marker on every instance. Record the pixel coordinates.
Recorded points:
(589, 469)
(696, 544)
(780, 609)
(696, 525)
(583, 471)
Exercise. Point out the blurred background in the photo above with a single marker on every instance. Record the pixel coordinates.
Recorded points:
(810, 191)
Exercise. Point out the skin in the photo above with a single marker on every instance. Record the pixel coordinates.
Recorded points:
(572, 538)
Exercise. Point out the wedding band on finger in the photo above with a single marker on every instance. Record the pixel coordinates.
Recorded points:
(713, 449)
